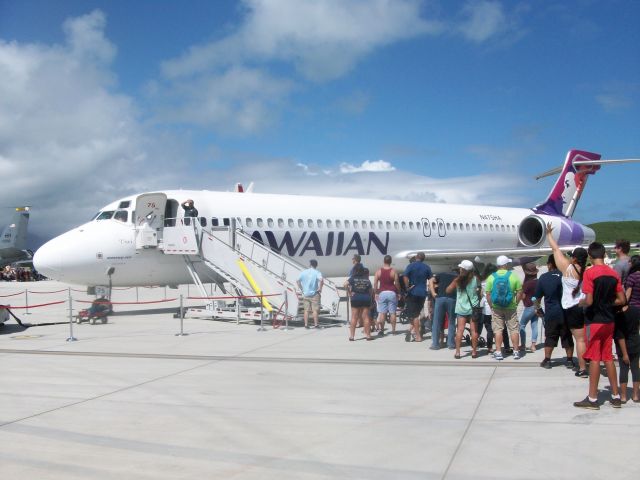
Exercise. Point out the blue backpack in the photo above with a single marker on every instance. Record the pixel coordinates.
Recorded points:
(501, 294)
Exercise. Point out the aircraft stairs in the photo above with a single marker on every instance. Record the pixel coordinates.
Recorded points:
(229, 255)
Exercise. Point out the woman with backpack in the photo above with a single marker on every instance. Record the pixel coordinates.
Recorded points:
(467, 298)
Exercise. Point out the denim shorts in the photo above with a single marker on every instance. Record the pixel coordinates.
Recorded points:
(387, 302)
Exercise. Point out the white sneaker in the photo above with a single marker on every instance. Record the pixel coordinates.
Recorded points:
(516, 355)
(497, 355)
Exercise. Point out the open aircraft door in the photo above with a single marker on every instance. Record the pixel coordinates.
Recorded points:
(149, 219)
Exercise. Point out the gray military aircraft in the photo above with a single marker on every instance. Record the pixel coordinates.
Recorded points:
(13, 240)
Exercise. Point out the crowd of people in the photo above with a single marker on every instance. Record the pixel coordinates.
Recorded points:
(19, 274)
(583, 303)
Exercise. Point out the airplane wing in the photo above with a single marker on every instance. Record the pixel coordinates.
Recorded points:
(456, 255)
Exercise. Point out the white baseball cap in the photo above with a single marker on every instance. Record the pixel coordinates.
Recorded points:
(466, 264)
(503, 260)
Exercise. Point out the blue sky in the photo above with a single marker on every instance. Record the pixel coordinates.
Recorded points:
(447, 101)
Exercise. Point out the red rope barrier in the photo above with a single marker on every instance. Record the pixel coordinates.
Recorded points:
(33, 306)
(11, 294)
(131, 303)
(55, 291)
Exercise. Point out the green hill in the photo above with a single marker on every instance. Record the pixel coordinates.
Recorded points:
(609, 232)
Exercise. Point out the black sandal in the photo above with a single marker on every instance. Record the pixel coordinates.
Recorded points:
(457, 356)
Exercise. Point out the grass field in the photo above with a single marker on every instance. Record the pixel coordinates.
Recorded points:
(609, 232)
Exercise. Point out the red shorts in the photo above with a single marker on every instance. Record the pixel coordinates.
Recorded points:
(599, 338)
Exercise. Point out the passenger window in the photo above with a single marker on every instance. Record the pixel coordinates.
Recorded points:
(328, 223)
(346, 224)
(396, 225)
(364, 224)
(433, 225)
(455, 227)
(410, 225)
(290, 223)
(380, 225)
(270, 222)
(203, 222)
(300, 223)
(214, 222)
(319, 222)
(388, 225)
(249, 222)
(355, 224)
(448, 226)
(404, 225)
(309, 223)
(491, 227)
(121, 216)
(338, 224)
(260, 222)
(372, 224)
(225, 222)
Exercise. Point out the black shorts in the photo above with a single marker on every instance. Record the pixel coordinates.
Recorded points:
(360, 303)
(556, 328)
(574, 317)
(414, 306)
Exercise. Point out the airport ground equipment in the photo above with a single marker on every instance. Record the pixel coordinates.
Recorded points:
(229, 256)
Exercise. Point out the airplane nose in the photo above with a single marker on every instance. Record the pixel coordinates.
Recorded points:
(47, 259)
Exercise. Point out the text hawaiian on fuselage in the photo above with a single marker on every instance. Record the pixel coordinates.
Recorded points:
(332, 243)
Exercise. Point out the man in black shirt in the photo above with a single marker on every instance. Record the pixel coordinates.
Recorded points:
(189, 209)
(549, 287)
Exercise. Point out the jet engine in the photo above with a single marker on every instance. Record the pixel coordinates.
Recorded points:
(532, 231)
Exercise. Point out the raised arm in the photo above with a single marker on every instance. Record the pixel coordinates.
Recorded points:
(562, 262)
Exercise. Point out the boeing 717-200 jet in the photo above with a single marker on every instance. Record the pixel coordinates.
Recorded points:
(141, 240)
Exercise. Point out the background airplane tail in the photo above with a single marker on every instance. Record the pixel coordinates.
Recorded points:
(14, 236)
(566, 192)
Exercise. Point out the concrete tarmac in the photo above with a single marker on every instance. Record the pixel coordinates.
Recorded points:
(131, 400)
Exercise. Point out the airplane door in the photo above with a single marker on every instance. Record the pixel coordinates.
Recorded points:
(149, 218)
(442, 231)
(426, 227)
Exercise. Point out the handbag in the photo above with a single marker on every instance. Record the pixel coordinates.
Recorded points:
(476, 310)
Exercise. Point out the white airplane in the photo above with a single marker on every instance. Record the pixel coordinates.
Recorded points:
(124, 243)
(13, 240)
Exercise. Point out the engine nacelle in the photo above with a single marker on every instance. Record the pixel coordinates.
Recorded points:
(531, 232)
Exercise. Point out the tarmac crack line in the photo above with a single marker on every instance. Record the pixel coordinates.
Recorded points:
(471, 420)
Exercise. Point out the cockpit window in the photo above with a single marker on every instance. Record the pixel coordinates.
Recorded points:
(121, 215)
(106, 215)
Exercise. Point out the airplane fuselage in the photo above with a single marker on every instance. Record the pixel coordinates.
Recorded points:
(331, 230)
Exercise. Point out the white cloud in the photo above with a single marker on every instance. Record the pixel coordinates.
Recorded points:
(323, 40)
(237, 101)
(367, 166)
(68, 143)
(484, 20)
(613, 102)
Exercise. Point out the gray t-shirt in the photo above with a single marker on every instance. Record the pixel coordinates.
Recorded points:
(622, 266)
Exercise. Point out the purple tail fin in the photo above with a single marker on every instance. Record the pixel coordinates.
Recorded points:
(568, 188)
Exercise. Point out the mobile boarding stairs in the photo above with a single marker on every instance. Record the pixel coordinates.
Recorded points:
(229, 255)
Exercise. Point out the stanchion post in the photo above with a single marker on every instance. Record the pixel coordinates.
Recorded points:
(238, 310)
(137, 299)
(71, 337)
(261, 329)
(181, 334)
(26, 301)
(286, 310)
